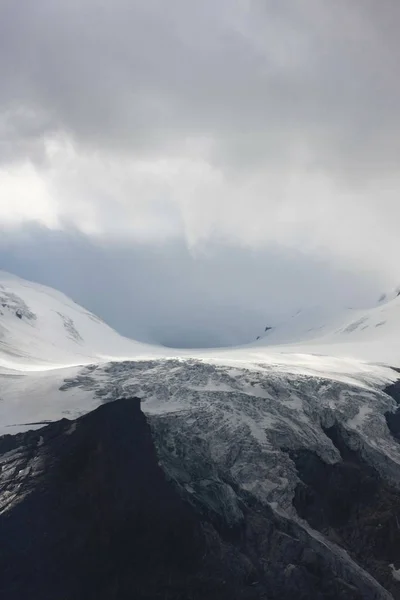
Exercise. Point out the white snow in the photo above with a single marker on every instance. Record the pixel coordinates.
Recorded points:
(46, 338)
(369, 335)
(54, 331)
(359, 419)
(30, 397)
(41, 328)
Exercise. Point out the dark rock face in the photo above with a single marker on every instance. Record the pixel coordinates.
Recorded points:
(350, 504)
(393, 418)
(99, 520)
(393, 390)
(86, 512)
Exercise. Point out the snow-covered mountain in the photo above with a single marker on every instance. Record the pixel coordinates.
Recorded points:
(371, 334)
(273, 424)
(41, 327)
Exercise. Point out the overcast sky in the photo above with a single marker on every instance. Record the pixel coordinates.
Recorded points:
(230, 158)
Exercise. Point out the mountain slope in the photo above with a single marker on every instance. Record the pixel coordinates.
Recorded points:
(371, 334)
(41, 327)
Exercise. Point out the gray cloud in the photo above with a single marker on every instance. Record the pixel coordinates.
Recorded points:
(273, 126)
(287, 81)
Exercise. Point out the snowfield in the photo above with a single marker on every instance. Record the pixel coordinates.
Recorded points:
(41, 328)
(58, 360)
(371, 335)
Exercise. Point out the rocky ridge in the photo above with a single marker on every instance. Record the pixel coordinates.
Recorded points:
(88, 512)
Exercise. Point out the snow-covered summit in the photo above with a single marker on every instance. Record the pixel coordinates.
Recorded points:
(41, 327)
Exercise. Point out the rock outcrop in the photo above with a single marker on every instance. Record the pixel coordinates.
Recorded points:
(87, 511)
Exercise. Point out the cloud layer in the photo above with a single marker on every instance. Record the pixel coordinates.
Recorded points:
(260, 124)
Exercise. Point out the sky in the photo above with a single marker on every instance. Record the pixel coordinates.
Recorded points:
(190, 170)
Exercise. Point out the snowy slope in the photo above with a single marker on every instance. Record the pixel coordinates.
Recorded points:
(372, 334)
(40, 327)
